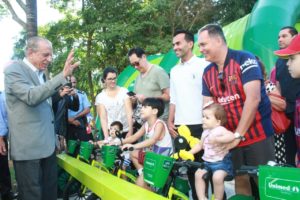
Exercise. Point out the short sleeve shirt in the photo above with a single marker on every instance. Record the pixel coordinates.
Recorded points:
(214, 152)
(240, 67)
(83, 104)
(115, 107)
(152, 84)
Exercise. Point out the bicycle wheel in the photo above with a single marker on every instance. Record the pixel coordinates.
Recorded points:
(93, 197)
(75, 190)
(62, 180)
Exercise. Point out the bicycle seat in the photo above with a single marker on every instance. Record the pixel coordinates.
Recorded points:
(228, 178)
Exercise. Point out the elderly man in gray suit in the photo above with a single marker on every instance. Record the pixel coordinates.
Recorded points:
(31, 121)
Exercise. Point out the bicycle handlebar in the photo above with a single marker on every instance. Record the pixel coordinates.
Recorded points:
(120, 151)
(189, 164)
(251, 170)
(128, 149)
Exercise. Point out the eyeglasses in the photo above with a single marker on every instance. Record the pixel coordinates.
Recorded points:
(136, 63)
(74, 82)
(111, 79)
(221, 78)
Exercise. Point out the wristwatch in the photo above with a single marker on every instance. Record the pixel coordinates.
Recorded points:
(239, 136)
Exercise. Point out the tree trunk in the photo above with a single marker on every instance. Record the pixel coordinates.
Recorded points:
(31, 18)
(90, 78)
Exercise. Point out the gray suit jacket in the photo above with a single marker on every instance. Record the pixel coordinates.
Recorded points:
(30, 116)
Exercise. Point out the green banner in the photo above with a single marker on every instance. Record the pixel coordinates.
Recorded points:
(279, 183)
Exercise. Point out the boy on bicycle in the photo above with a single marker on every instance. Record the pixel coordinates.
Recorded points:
(155, 134)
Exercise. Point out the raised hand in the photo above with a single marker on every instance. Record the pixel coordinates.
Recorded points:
(70, 65)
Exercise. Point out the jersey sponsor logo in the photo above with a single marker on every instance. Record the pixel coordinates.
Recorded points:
(228, 99)
(248, 64)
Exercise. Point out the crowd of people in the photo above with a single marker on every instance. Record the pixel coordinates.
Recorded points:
(221, 98)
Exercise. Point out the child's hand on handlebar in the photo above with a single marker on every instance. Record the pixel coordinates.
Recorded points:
(126, 147)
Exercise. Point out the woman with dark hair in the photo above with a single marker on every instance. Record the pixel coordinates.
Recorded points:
(113, 104)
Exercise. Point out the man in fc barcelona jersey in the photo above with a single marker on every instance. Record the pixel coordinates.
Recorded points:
(234, 80)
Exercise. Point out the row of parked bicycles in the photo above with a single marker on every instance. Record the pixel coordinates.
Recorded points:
(168, 177)
(170, 181)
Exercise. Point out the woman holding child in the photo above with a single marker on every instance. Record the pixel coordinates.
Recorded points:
(113, 104)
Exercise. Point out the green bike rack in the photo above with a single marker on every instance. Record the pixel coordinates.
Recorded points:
(103, 184)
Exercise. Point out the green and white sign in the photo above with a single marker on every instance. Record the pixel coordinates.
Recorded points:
(279, 183)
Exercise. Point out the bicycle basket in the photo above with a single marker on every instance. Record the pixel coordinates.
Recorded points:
(72, 146)
(86, 149)
(157, 169)
(108, 154)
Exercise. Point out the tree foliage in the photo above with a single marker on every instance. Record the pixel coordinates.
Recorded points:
(3, 10)
(231, 10)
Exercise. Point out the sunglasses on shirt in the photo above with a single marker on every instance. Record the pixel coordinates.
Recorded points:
(221, 79)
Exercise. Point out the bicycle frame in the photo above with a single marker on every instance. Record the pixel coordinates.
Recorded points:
(174, 192)
(131, 177)
(100, 166)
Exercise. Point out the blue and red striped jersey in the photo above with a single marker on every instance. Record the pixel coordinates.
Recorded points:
(227, 89)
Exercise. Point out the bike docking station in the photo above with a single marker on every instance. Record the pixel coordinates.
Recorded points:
(101, 183)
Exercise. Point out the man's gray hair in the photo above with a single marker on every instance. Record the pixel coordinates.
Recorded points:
(33, 43)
